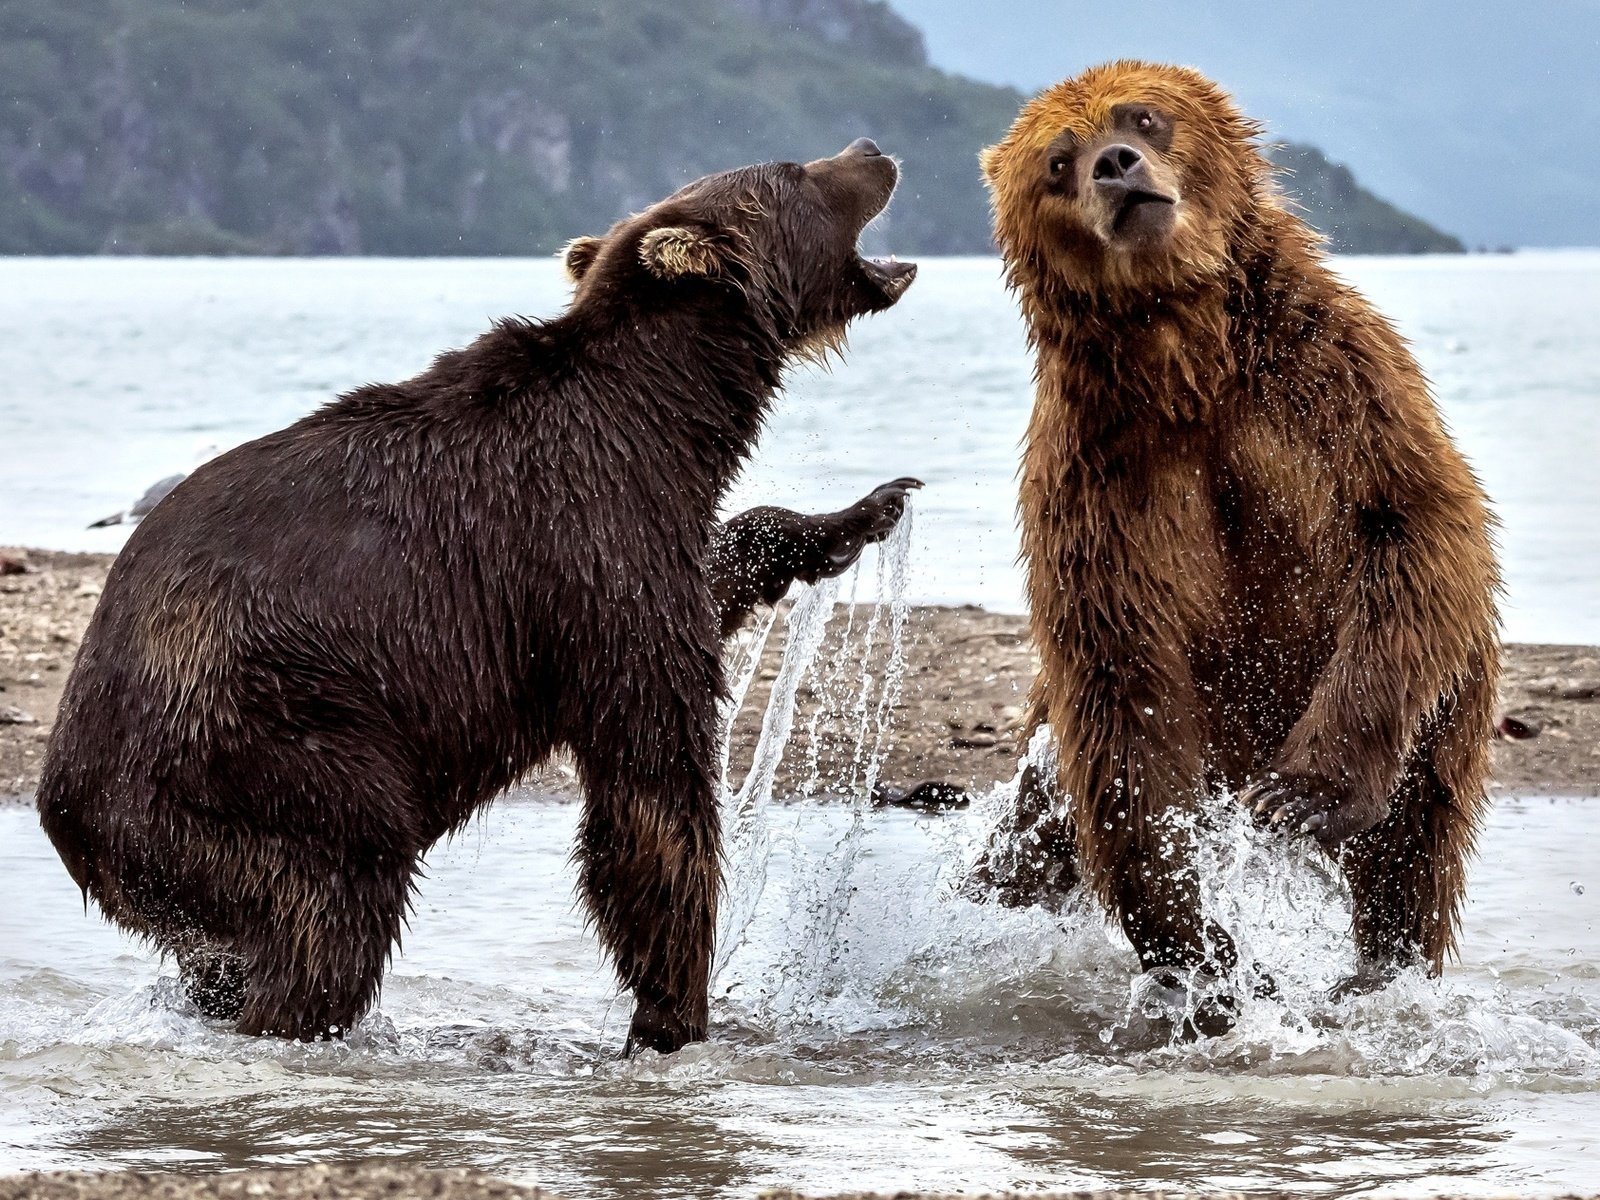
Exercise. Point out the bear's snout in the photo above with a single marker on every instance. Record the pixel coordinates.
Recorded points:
(1118, 166)
(1135, 200)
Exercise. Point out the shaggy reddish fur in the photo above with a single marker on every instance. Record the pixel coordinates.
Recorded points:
(1255, 559)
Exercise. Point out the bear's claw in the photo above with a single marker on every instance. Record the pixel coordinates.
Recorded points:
(1308, 805)
(844, 535)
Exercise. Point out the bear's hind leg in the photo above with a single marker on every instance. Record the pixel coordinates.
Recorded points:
(313, 969)
(649, 857)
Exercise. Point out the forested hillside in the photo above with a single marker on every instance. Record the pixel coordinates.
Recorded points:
(470, 127)
(1352, 218)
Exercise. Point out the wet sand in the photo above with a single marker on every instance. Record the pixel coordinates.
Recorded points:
(966, 679)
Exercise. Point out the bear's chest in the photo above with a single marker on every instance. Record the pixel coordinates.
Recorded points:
(1278, 517)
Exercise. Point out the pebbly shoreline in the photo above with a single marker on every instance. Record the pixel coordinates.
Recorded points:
(966, 678)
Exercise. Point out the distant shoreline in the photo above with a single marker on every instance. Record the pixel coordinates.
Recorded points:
(119, 256)
(966, 679)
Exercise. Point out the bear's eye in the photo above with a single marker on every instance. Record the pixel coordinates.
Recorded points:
(1146, 121)
(1058, 164)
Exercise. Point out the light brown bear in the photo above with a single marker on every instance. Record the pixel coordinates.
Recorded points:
(1255, 559)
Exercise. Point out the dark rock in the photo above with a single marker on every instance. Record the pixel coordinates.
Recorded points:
(934, 795)
(1516, 729)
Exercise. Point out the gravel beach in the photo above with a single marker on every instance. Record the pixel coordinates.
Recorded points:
(966, 679)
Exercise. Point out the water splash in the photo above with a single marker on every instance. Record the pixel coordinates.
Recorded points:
(747, 827)
(868, 940)
(824, 889)
(829, 688)
(942, 1014)
(746, 836)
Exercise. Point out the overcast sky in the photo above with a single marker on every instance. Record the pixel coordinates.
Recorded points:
(1481, 115)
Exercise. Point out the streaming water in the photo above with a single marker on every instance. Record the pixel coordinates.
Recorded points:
(746, 824)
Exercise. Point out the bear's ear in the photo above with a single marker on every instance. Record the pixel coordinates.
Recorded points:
(989, 161)
(578, 256)
(675, 251)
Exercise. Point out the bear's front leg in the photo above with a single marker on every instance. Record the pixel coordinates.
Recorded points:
(649, 840)
(1386, 767)
(1130, 747)
(756, 555)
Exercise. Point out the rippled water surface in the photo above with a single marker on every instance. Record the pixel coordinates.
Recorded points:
(874, 1030)
(115, 371)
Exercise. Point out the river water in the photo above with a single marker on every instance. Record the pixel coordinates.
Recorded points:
(113, 372)
(873, 1030)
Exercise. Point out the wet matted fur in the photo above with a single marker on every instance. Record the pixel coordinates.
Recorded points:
(331, 646)
(1255, 559)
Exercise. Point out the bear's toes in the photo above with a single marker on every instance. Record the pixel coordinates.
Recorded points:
(1309, 805)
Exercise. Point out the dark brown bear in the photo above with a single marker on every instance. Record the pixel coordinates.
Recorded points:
(331, 646)
(1255, 559)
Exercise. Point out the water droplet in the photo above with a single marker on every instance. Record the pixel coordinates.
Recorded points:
(1577, 888)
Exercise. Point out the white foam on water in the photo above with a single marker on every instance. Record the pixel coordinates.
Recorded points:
(909, 952)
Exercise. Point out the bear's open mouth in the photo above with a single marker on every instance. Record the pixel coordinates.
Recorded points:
(891, 276)
(1136, 199)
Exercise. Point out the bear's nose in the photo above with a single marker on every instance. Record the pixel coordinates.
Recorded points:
(1115, 163)
(865, 147)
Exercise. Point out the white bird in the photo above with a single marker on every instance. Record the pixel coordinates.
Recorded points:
(140, 508)
(154, 494)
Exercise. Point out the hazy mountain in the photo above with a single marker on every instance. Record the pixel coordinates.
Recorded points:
(477, 126)
(1481, 114)
(1353, 220)
(469, 127)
